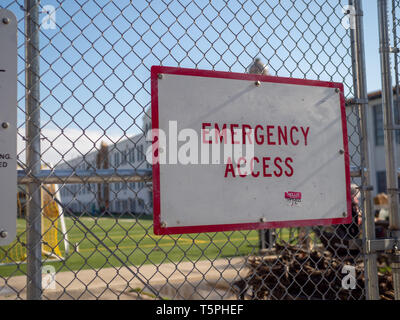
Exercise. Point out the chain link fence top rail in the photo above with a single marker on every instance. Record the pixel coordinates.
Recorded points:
(94, 80)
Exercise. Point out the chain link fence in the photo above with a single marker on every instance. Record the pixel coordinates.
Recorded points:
(85, 192)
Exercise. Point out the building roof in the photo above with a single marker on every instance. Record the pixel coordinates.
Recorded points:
(371, 96)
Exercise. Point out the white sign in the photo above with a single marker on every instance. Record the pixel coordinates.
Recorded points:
(8, 126)
(238, 151)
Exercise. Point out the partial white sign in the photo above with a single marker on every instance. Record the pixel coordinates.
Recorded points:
(8, 126)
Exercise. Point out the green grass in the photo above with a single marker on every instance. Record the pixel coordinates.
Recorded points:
(133, 241)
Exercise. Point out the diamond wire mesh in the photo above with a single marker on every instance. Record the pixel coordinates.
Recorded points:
(95, 108)
(395, 13)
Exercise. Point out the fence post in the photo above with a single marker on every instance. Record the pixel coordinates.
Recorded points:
(33, 223)
(360, 94)
(390, 143)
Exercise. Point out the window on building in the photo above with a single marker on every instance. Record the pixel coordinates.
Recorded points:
(124, 156)
(116, 159)
(132, 204)
(124, 205)
(140, 205)
(131, 155)
(378, 124)
(381, 181)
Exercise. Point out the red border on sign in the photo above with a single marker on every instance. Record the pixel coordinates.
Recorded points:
(159, 230)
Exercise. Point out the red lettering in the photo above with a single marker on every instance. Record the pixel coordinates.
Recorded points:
(246, 133)
(233, 132)
(230, 168)
(218, 135)
(256, 138)
(253, 173)
(238, 164)
(290, 173)
(294, 142)
(270, 134)
(278, 167)
(305, 134)
(205, 131)
(266, 166)
(282, 135)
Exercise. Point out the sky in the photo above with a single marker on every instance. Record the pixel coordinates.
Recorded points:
(371, 35)
(96, 58)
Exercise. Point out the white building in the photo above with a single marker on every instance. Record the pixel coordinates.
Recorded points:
(375, 139)
(120, 197)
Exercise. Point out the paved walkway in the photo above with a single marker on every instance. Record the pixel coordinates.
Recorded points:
(186, 280)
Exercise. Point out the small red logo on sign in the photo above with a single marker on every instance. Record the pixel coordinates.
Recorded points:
(293, 198)
(293, 195)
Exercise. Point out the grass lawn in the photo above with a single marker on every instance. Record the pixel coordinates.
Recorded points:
(133, 241)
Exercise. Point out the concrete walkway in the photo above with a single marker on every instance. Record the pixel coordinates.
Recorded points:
(186, 280)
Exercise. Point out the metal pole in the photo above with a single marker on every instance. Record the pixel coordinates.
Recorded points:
(360, 93)
(33, 223)
(390, 143)
(396, 63)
